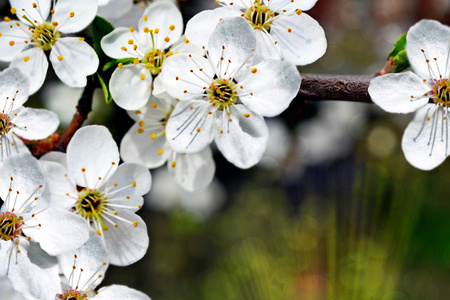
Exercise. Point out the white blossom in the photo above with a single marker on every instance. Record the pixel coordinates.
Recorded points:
(24, 43)
(88, 182)
(425, 141)
(17, 122)
(221, 98)
(282, 29)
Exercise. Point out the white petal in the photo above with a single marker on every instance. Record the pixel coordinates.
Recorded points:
(201, 26)
(8, 290)
(59, 191)
(244, 139)
(304, 43)
(91, 257)
(183, 45)
(142, 148)
(55, 156)
(13, 85)
(32, 271)
(231, 45)
(193, 171)
(266, 46)
(127, 87)
(392, 92)
(27, 182)
(34, 124)
(113, 42)
(83, 12)
(189, 129)
(40, 13)
(127, 243)
(433, 38)
(109, 9)
(73, 60)
(425, 142)
(280, 5)
(136, 180)
(11, 145)
(92, 149)
(34, 64)
(178, 79)
(270, 90)
(161, 15)
(12, 35)
(57, 230)
(120, 292)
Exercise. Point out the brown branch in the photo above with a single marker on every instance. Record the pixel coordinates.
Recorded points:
(335, 87)
(59, 142)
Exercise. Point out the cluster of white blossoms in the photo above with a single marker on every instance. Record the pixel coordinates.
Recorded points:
(69, 215)
(426, 139)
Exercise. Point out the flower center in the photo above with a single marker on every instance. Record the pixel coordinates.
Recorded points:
(259, 16)
(10, 226)
(45, 35)
(90, 204)
(154, 61)
(441, 90)
(5, 124)
(71, 295)
(222, 93)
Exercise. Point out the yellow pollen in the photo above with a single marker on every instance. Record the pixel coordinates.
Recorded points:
(145, 18)
(172, 27)
(7, 19)
(299, 12)
(132, 29)
(166, 39)
(26, 58)
(133, 184)
(123, 48)
(154, 105)
(136, 61)
(54, 23)
(156, 30)
(138, 112)
(198, 129)
(221, 131)
(254, 70)
(13, 10)
(153, 136)
(120, 65)
(72, 14)
(142, 76)
(173, 164)
(60, 58)
(163, 133)
(98, 232)
(11, 43)
(140, 130)
(170, 53)
(146, 30)
(130, 42)
(428, 118)
(34, 5)
(52, 11)
(135, 224)
(186, 41)
(289, 30)
(81, 38)
(160, 151)
(246, 115)
(141, 123)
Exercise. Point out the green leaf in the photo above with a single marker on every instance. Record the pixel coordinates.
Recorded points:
(115, 62)
(99, 28)
(398, 55)
(400, 45)
(105, 88)
(401, 61)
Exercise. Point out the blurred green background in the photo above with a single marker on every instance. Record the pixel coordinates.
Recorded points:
(334, 211)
